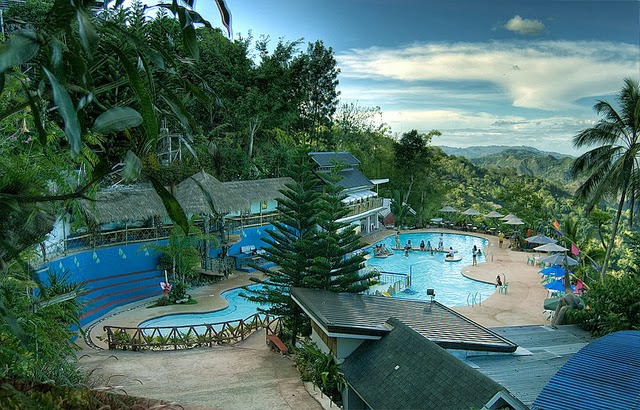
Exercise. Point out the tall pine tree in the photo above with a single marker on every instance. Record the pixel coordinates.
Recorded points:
(337, 263)
(290, 247)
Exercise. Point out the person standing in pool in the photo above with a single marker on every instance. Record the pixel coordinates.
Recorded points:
(441, 243)
(475, 256)
(398, 239)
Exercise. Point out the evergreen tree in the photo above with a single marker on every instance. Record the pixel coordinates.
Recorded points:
(290, 247)
(336, 266)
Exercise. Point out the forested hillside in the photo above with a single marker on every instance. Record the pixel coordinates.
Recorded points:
(522, 161)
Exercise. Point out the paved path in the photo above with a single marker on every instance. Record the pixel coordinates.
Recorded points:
(245, 376)
(250, 376)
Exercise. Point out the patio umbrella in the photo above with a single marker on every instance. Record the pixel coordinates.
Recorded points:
(514, 221)
(494, 214)
(550, 247)
(471, 212)
(557, 285)
(507, 217)
(448, 209)
(554, 270)
(559, 259)
(541, 239)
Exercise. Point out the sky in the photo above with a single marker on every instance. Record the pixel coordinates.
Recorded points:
(490, 72)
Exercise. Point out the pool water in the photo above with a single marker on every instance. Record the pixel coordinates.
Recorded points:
(427, 271)
(239, 308)
(432, 271)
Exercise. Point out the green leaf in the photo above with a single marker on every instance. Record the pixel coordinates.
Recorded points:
(1, 82)
(87, 31)
(37, 119)
(132, 167)
(67, 111)
(190, 42)
(146, 106)
(172, 205)
(13, 324)
(56, 53)
(117, 119)
(12, 110)
(20, 48)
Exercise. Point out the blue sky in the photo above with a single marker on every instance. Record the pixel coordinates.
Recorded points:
(482, 72)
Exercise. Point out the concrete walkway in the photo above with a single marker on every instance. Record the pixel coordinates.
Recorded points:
(250, 376)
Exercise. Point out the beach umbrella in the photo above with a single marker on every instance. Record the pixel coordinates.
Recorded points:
(494, 214)
(550, 247)
(507, 217)
(514, 221)
(448, 209)
(559, 259)
(471, 212)
(554, 270)
(557, 285)
(540, 239)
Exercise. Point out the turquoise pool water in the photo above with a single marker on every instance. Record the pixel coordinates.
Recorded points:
(427, 271)
(239, 308)
(432, 271)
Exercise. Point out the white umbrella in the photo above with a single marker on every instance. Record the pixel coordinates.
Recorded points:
(541, 239)
(514, 221)
(550, 247)
(448, 209)
(471, 212)
(559, 259)
(494, 214)
(510, 216)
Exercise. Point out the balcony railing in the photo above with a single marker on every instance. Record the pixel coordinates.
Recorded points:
(368, 205)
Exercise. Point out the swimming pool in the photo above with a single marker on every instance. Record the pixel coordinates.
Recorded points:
(427, 271)
(432, 271)
(239, 308)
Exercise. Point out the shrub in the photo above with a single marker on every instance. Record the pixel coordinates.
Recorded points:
(611, 306)
(320, 368)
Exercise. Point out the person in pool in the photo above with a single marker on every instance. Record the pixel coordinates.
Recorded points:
(422, 245)
(441, 242)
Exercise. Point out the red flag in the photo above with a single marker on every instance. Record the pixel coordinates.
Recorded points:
(574, 249)
(556, 224)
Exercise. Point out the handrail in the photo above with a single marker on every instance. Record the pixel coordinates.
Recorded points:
(189, 336)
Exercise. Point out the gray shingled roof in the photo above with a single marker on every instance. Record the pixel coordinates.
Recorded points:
(357, 314)
(329, 159)
(404, 370)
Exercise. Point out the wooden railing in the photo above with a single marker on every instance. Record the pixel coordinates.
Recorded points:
(186, 337)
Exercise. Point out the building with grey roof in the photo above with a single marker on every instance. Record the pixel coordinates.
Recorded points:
(361, 197)
(404, 370)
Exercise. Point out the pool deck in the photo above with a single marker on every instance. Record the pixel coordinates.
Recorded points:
(521, 305)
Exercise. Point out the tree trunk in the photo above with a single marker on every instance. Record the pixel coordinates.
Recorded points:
(616, 221)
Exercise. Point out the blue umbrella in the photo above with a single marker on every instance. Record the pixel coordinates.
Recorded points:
(557, 285)
(555, 270)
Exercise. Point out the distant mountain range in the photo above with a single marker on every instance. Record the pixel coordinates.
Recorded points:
(552, 166)
(483, 151)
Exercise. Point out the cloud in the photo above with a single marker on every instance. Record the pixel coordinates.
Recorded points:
(524, 26)
(534, 93)
(545, 75)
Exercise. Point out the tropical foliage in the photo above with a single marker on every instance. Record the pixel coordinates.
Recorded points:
(612, 168)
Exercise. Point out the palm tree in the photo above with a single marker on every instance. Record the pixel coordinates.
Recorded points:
(612, 168)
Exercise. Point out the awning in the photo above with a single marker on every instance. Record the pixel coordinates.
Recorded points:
(356, 196)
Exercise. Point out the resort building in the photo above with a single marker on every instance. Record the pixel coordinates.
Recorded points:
(110, 248)
(363, 202)
(394, 353)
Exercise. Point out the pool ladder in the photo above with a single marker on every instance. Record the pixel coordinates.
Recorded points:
(474, 299)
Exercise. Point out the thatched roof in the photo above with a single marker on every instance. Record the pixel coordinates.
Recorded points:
(224, 200)
(260, 189)
(136, 203)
